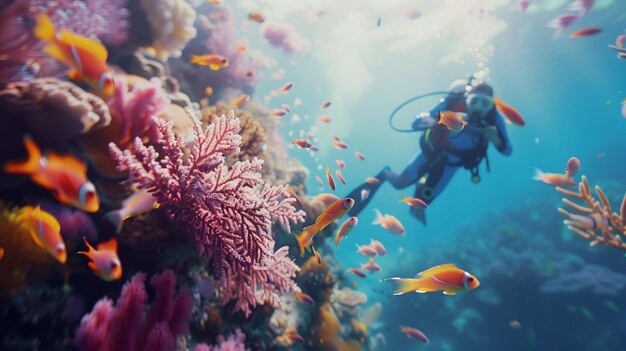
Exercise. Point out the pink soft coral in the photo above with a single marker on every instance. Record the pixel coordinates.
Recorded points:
(228, 211)
(233, 343)
(123, 326)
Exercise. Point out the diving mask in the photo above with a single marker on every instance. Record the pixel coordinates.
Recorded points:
(479, 103)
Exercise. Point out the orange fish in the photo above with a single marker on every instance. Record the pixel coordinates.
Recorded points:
(104, 261)
(317, 255)
(446, 277)
(415, 202)
(326, 198)
(359, 156)
(256, 17)
(585, 32)
(452, 120)
(238, 102)
(345, 229)
(64, 175)
(208, 91)
(278, 113)
(325, 119)
(510, 112)
(45, 231)
(556, 179)
(1, 252)
(86, 57)
(139, 202)
(303, 143)
(515, 324)
(340, 163)
(340, 177)
(304, 298)
(330, 179)
(285, 88)
(333, 212)
(415, 334)
(357, 272)
(241, 48)
(378, 246)
(371, 266)
(389, 222)
(213, 61)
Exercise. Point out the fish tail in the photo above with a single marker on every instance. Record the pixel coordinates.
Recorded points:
(196, 59)
(115, 218)
(303, 241)
(405, 285)
(44, 29)
(31, 165)
(538, 174)
(336, 240)
(89, 247)
(379, 217)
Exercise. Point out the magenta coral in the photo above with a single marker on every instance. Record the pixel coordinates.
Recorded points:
(233, 343)
(228, 211)
(133, 108)
(123, 326)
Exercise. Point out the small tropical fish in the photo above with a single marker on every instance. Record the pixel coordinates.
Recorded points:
(586, 32)
(303, 143)
(372, 180)
(345, 229)
(242, 48)
(556, 179)
(86, 57)
(371, 266)
(338, 144)
(510, 112)
(325, 105)
(333, 212)
(208, 91)
(325, 119)
(326, 198)
(304, 298)
(515, 324)
(295, 196)
(452, 120)
(330, 179)
(285, 88)
(414, 334)
(286, 108)
(317, 255)
(523, 5)
(213, 61)
(64, 175)
(414, 201)
(289, 337)
(104, 261)
(238, 102)
(256, 17)
(378, 246)
(340, 163)
(278, 113)
(366, 250)
(359, 156)
(620, 40)
(389, 222)
(446, 277)
(319, 180)
(139, 202)
(357, 272)
(340, 177)
(45, 231)
(364, 194)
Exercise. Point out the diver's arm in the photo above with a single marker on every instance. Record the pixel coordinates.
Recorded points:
(433, 112)
(501, 140)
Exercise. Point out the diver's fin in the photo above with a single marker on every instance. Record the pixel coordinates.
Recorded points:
(419, 213)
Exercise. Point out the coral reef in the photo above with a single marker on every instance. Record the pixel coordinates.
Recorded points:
(284, 36)
(124, 327)
(172, 27)
(234, 342)
(224, 209)
(52, 110)
(24, 261)
(596, 221)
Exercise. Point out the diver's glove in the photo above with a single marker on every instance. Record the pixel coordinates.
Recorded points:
(491, 134)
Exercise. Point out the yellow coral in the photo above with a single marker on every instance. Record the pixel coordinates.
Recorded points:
(23, 259)
(172, 27)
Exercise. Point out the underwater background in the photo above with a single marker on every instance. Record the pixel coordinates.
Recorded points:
(205, 269)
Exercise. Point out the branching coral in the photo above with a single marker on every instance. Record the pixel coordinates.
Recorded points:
(124, 327)
(228, 211)
(233, 343)
(596, 221)
(54, 110)
(172, 27)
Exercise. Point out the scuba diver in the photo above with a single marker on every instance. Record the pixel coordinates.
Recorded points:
(443, 151)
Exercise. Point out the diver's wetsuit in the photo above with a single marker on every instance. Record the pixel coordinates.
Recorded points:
(443, 152)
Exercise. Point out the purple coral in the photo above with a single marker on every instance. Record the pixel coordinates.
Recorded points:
(228, 211)
(234, 342)
(133, 108)
(123, 326)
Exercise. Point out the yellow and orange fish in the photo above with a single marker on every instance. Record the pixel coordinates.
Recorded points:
(330, 179)
(333, 212)
(208, 91)
(303, 143)
(304, 298)
(45, 231)
(238, 102)
(510, 112)
(213, 61)
(104, 261)
(414, 201)
(345, 229)
(446, 277)
(86, 57)
(139, 202)
(64, 175)
(452, 120)
(556, 179)
(256, 17)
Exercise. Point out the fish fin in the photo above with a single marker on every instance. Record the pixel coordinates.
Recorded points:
(54, 51)
(214, 67)
(110, 245)
(73, 75)
(538, 174)
(93, 267)
(301, 244)
(497, 101)
(449, 292)
(90, 251)
(378, 218)
(44, 28)
(66, 162)
(93, 46)
(437, 269)
(337, 241)
(115, 218)
(31, 165)
(195, 59)
(425, 290)
(405, 285)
